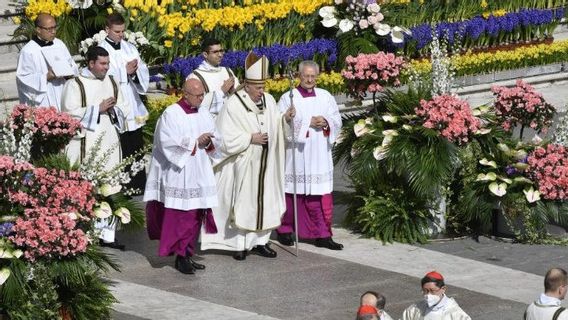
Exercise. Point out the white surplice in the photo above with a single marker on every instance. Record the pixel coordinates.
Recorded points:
(181, 174)
(131, 87)
(94, 126)
(447, 309)
(31, 76)
(214, 78)
(314, 163)
(250, 178)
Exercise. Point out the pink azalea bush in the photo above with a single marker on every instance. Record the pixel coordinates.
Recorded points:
(548, 167)
(371, 72)
(54, 208)
(522, 105)
(52, 130)
(450, 116)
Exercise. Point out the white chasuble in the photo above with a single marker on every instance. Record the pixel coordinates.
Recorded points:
(31, 76)
(212, 79)
(250, 177)
(132, 86)
(95, 125)
(314, 163)
(181, 174)
(447, 309)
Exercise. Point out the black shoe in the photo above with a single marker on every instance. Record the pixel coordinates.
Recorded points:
(285, 239)
(328, 243)
(240, 255)
(196, 266)
(112, 245)
(184, 265)
(264, 251)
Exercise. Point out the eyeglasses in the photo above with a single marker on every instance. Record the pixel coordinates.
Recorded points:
(217, 51)
(50, 29)
(195, 95)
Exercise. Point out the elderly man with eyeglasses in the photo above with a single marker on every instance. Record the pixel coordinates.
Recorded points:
(219, 82)
(39, 82)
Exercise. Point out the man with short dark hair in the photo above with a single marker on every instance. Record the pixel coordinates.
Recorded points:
(548, 305)
(219, 82)
(38, 84)
(95, 98)
(133, 77)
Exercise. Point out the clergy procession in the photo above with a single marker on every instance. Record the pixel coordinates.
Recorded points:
(229, 164)
(231, 170)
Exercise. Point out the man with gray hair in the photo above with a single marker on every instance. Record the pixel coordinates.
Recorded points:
(548, 305)
(315, 127)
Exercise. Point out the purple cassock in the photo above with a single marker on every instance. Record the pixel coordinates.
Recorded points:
(177, 230)
(314, 216)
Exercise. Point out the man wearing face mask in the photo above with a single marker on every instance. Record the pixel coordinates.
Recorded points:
(548, 305)
(436, 305)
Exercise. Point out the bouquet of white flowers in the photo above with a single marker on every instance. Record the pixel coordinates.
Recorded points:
(136, 38)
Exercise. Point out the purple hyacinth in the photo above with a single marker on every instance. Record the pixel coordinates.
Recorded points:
(6, 229)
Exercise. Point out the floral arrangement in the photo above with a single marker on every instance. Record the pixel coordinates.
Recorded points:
(51, 130)
(371, 72)
(450, 116)
(323, 51)
(135, 38)
(355, 15)
(479, 31)
(522, 105)
(548, 167)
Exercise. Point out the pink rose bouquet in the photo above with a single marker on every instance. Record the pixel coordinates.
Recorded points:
(450, 116)
(522, 105)
(548, 167)
(371, 72)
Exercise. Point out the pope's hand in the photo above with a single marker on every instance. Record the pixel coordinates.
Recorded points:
(259, 138)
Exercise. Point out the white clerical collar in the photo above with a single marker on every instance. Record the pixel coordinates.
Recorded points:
(85, 72)
(548, 300)
(206, 66)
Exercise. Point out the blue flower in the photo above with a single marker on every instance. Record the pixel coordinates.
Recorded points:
(6, 229)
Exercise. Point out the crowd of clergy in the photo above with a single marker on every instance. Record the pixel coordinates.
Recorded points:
(229, 164)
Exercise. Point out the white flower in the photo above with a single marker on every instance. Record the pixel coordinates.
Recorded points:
(103, 211)
(483, 131)
(4, 275)
(397, 35)
(346, 25)
(536, 139)
(488, 163)
(80, 4)
(379, 153)
(338, 1)
(329, 23)
(382, 29)
(107, 190)
(374, 8)
(491, 176)
(89, 42)
(123, 214)
(17, 253)
(532, 195)
(360, 128)
(498, 189)
(390, 118)
(6, 253)
(139, 34)
(327, 12)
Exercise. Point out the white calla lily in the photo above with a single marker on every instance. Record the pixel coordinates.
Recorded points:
(491, 176)
(476, 112)
(6, 253)
(103, 211)
(506, 180)
(107, 190)
(397, 35)
(522, 180)
(531, 195)
(520, 154)
(369, 120)
(345, 25)
(390, 118)
(123, 214)
(407, 127)
(360, 128)
(483, 131)
(498, 189)
(503, 147)
(488, 163)
(4, 275)
(17, 253)
(382, 29)
(379, 152)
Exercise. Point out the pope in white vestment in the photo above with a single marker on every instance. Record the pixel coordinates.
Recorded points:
(249, 168)
(219, 82)
(96, 100)
(37, 86)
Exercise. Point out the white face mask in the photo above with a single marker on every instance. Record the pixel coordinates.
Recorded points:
(432, 299)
